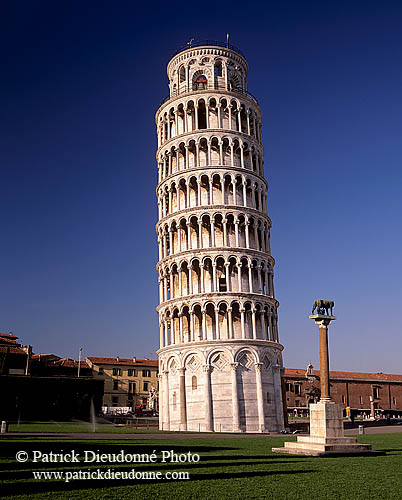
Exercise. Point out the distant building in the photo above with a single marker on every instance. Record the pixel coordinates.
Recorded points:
(128, 381)
(50, 365)
(363, 393)
(14, 357)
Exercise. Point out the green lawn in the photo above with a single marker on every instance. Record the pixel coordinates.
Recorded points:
(230, 469)
(79, 427)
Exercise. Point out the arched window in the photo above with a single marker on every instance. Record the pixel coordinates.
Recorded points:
(201, 82)
(182, 74)
(194, 383)
(218, 68)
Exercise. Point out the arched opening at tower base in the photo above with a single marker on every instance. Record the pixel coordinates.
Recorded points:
(229, 389)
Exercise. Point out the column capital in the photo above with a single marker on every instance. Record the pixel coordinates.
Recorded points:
(234, 366)
(182, 371)
(206, 368)
(258, 366)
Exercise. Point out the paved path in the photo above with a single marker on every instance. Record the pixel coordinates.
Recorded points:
(180, 435)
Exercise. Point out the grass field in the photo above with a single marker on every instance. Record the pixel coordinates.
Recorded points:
(229, 468)
(77, 427)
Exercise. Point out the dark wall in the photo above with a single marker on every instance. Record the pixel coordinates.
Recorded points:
(48, 398)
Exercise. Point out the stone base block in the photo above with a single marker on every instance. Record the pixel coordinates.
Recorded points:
(339, 446)
(326, 434)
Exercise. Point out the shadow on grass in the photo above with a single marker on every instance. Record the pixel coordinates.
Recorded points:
(14, 474)
(44, 486)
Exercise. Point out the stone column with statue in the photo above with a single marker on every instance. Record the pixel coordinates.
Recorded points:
(326, 417)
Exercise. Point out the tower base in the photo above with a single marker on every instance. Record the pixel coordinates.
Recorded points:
(326, 434)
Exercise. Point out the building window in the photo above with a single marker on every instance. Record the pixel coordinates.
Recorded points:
(394, 400)
(297, 402)
(115, 385)
(131, 387)
(201, 82)
(361, 400)
(115, 400)
(343, 399)
(182, 74)
(146, 373)
(116, 371)
(131, 372)
(288, 387)
(146, 386)
(101, 370)
(268, 398)
(376, 392)
(174, 399)
(297, 390)
(218, 68)
(194, 382)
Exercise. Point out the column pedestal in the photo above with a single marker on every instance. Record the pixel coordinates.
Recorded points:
(326, 417)
(326, 434)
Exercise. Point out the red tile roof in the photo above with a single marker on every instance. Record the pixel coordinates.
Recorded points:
(11, 349)
(122, 361)
(346, 375)
(9, 336)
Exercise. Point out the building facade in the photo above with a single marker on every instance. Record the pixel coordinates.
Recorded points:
(365, 394)
(14, 357)
(220, 358)
(127, 381)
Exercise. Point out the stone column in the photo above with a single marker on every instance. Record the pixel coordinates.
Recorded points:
(225, 233)
(244, 194)
(239, 266)
(263, 327)
(236, 224)
(161, 391)
(230, 323)
(212, 225)
(235, 398)
(166, 412)
(250, 278)
(246, 225)
(324, 361)
(202, 279)
(260, 397)
(204, 325)
(208, 399)
(180, 283)
(181, 340)
(243, 332)
(183, 408)
(254, 325)
(214, 281)
(190, 280)
(216, 323)
(161, 334)
(227, 275)
(191, 327)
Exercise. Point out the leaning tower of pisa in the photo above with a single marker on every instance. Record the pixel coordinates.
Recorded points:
(220, 358)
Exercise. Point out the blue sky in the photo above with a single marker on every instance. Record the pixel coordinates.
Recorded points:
(80, 86)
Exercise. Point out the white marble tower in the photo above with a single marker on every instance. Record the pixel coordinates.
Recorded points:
(220, 358)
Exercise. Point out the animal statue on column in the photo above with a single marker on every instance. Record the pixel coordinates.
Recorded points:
(323, 306)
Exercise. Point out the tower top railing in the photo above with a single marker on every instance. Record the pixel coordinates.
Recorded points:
(209, 88)
(203, 43)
